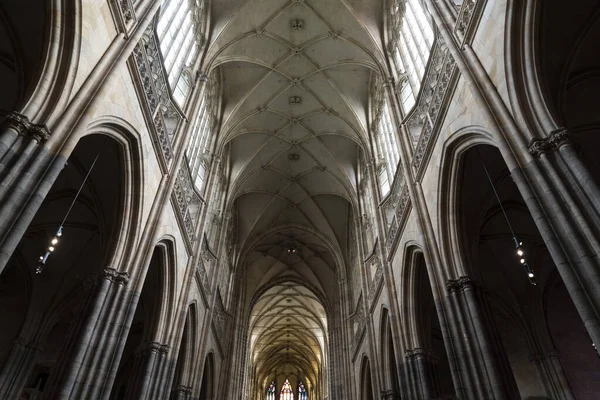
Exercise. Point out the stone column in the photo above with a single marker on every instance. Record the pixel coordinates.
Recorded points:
(552, 374)
(483, 373)
(422, 365)
(149, 360)
(17, 368)
(82, 371)
(21, 155)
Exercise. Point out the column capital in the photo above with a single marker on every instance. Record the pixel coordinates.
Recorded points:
(460, 284)
(389, 395)
(149, 347)
(25, 127)
(114, 276)
(554, 141)
(18, 122)
(182, 389)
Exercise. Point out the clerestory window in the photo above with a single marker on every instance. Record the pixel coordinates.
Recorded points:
(205, 124)
(387, 148)
(179, 31)
(412, 39)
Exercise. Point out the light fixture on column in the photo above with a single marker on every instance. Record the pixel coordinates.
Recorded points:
(59, 232)
(518, 244)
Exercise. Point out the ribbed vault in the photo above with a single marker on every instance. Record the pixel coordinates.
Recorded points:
(296, 77)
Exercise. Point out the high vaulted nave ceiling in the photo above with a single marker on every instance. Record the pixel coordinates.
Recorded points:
(296, 77)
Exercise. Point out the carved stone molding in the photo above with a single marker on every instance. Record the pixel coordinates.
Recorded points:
(553, 142)
(188, 201)
(24, 127)
(433, 100)
(460, 284)
(465, 15)
(114, 276)
(401, 204)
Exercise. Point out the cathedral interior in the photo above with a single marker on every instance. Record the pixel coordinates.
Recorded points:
(299, 199)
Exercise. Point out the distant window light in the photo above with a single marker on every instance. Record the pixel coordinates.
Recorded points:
(413, 38)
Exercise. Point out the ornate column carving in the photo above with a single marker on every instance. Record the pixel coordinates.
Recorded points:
(553, 142)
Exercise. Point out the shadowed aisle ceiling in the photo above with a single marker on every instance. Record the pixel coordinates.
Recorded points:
(296, 76)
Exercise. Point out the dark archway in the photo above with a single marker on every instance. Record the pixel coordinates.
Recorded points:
(366, 381)
(187, 350)
(388, 348)
(141, 339)
(207, 386)
(570, 70)
(22, 37)
(49, 304)
(514, 307)
(430, 332)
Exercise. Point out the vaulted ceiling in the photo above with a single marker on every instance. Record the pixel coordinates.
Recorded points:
(296, 75)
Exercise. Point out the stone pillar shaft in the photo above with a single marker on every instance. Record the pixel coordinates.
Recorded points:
(82, 370)
(17, 369)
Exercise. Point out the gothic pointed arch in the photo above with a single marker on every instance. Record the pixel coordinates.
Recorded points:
(87, 249)
(207, 387)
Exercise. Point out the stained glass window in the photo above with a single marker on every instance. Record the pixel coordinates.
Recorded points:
(286, 391)
(302, 392)
(271, 392)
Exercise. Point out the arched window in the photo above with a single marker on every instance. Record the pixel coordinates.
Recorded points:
(179, 31)
(383, 130)
(387, 146)
(286, 391)
(271, 392)
(302, 392)
(412, 39)
(198, 151)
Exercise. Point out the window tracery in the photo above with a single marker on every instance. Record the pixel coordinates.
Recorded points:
(412, 39)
